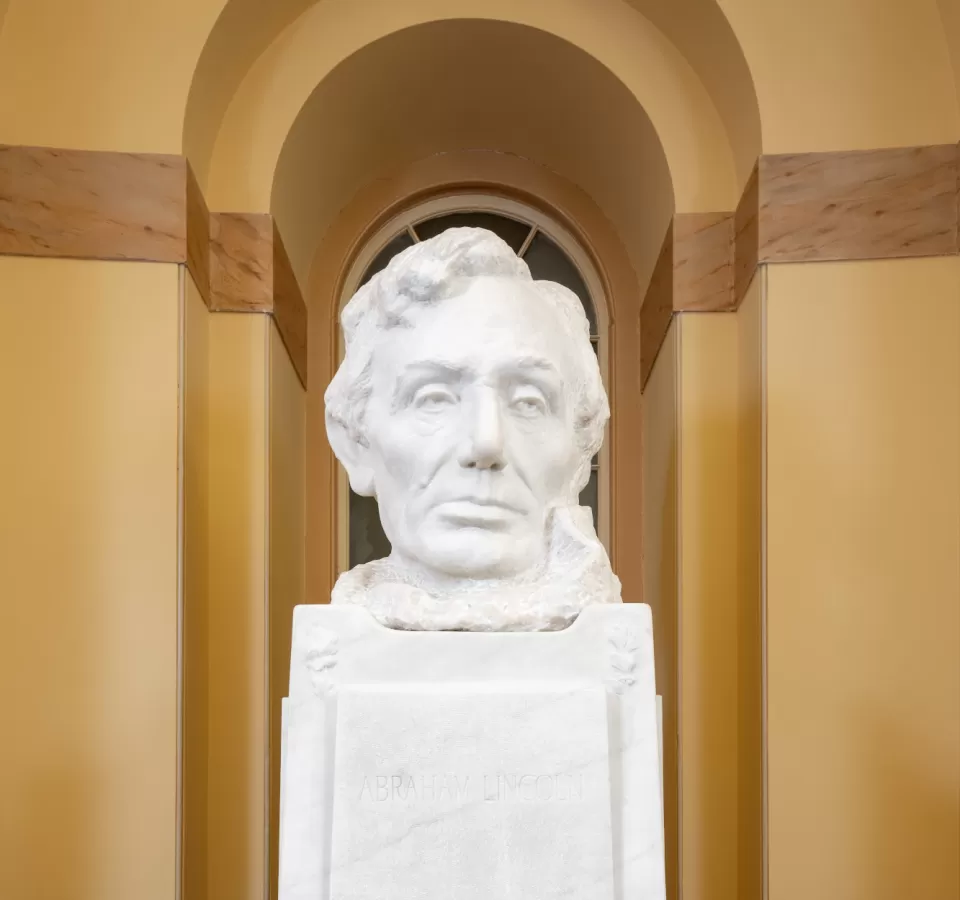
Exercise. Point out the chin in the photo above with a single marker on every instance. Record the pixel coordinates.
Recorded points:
(477, 553)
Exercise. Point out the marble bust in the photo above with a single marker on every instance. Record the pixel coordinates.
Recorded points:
(470, 404)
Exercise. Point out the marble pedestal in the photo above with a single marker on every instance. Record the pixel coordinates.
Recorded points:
(471, 766)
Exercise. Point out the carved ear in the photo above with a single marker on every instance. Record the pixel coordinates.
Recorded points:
(352, 454)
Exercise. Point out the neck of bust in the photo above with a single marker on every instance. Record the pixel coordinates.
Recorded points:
(412, 572)
(575, 572)
(572, 552)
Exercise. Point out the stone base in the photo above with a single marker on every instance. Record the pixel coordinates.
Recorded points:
(465, 766)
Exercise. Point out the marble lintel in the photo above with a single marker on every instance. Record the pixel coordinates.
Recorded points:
(93, 204)
(251, 272)
(859, 204)
(703, 262)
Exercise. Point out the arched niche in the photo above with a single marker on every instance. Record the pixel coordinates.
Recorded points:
(489, 173)
(678, 37)
(271, 96)
(453, 85)
(592, 113)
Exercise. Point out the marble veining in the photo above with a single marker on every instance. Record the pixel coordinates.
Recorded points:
(703, 262)
(693, 273)
(93, 205)
(241, 265)
(491, 777)
(250, 272)
(864, 204)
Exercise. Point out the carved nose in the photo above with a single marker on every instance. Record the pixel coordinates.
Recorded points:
(483, 444)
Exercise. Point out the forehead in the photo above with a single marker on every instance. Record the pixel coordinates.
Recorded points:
(491, 322)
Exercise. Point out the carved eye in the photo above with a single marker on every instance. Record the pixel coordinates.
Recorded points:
(434, 398)
(528, 402)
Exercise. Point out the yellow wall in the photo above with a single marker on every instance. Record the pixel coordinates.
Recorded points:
(88, 552)
(237, 785)
(196, 580)
(287, 546)
(847, 74)
(750, 521)
(703, 450)
(100, 74)
(950, 17)
(660, 566)
(255, 472)
(709, 395)
(863, 602)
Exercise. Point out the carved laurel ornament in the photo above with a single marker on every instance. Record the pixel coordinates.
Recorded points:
(624, 648)
(321, 659)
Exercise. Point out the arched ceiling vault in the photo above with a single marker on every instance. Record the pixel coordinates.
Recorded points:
(472, 85)
(697, 29)
(271, 96)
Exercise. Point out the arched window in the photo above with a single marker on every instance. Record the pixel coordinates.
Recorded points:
(552, 255)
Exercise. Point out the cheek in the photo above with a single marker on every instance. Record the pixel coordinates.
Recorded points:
(549, 456)
(407, 451)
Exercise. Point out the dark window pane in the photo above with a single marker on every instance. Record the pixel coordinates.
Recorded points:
(367, 540)
(589, 496)
(400, 242)
(548, 262)
(511, 231)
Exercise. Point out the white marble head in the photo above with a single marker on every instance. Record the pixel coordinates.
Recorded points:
(470, 404)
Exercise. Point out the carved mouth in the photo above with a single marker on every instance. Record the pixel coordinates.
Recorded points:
(479, 512)
(489, 502)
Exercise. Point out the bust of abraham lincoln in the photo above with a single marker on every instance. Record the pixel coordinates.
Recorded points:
(470, 404)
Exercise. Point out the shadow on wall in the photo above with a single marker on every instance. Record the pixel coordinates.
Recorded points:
(667, 687)
(898, 780)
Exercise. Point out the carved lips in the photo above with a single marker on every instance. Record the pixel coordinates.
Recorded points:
(477, 512)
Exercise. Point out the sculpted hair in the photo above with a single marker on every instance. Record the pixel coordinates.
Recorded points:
(428, 273)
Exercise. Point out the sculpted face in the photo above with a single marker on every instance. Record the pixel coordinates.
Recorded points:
(470, 429)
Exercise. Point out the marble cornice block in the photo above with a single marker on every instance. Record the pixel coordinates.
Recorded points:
(805, 207)
(241, 262)
(250, 272)
(693, 273)
(703, 262)
(859, 204)
(88, 204)
(148, 207)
